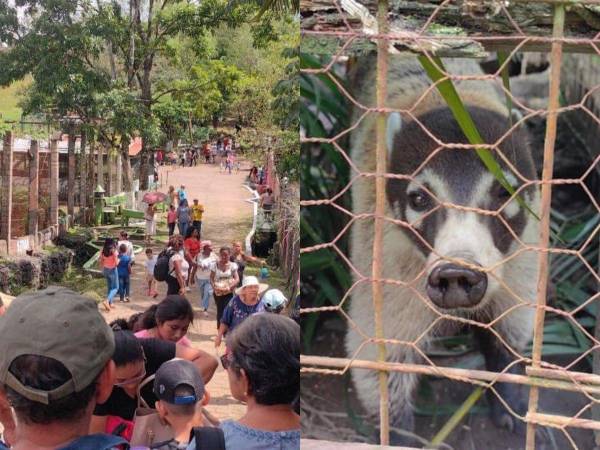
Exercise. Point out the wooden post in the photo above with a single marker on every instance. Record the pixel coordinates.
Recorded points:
(53, 182)
(100, 165)
(91, 170)
(119, 173)
(83, 177)
(34, 167)
(110, 162)
(71, 178)
(7, 160)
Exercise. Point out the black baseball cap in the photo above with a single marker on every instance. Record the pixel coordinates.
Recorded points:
(174, 374)
(60, 324)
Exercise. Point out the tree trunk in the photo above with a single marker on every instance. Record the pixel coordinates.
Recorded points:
(146, 97)
(91, 170)
(110, 171)
(127, 173)
(83, 181)
(71, 176)
(118, 172)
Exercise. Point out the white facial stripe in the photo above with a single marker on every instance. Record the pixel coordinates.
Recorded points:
(394, 125)
(482, 190)
(464, 236)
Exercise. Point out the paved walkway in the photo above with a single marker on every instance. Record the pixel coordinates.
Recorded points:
(227, 217)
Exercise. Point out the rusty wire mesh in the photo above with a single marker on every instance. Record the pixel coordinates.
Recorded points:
(359, 25)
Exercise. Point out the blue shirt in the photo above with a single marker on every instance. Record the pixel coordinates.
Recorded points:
(182, 194)
(237, 311)
(238, 437)
(91, 442)
(123, 267)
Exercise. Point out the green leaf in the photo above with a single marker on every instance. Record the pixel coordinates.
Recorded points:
(464, 120)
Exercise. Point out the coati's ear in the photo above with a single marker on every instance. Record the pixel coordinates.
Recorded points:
(394, 125)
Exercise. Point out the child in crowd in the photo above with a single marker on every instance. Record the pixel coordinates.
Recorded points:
(124, 270)
(150, 263)
(150, 222)
(124, 239)
(171, 219)
(181, 395)
(205, 260)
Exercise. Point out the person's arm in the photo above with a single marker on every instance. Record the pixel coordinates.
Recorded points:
(179, 276)
(236, 280)
(212, 278)
(7, 420)
(206, 363)
(100, 264)
(98, 424)
(252, 259)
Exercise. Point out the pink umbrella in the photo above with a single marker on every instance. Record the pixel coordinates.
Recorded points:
(154, 197)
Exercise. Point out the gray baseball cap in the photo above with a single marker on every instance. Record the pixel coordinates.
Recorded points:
(60, 324)
(173, 374)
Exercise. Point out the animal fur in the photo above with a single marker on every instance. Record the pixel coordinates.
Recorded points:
(456, 176)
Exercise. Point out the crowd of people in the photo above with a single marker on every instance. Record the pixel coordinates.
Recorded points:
(211, 152)
(70, 381)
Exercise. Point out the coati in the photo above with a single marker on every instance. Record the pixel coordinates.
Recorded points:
(506, 284)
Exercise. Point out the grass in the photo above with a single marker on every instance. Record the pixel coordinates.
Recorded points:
(9, 99)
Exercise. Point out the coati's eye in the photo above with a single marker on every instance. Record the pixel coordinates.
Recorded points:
(419, 200)
(502, 194)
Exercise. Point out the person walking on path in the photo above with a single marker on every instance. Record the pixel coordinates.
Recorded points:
(197, 212)
(267, 200)
(124, 271)
(149, 216)
(150, 263)
(182, 193)
(245, 303)
(205, 260)
(55, 380)
(173, 196)
(178, 266)
(171, 219)
(108, 263)
(191, 247)
(223, 279)
(183, 217)
(124, 239)
(241, 259)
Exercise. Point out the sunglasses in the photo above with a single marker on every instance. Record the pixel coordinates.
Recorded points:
(132, 380)
(226, 361)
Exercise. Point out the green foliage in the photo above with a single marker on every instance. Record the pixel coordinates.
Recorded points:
(324, 173)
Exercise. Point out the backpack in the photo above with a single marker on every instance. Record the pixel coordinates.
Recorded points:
(161, 269)
(209, 438)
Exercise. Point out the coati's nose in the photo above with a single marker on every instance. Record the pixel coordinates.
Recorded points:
(452, 286)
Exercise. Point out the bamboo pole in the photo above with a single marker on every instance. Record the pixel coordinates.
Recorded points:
(553, 105)
(573, 382)
(381, 158)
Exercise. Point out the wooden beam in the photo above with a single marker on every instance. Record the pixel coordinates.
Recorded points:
(34, 167)
(6, 207)
(467, 29)
(71, 174)
(54, 182)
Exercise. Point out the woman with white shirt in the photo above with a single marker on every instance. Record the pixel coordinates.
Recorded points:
(223, 279)
(205, 259)
(178, 267)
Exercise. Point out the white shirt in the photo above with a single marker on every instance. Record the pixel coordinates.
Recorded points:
(184, 264)
(129, 251)
(150, 263)
(204, 265)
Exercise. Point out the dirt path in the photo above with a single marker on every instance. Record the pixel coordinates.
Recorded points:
(227, 217)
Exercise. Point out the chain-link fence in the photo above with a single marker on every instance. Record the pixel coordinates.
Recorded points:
(446, 223)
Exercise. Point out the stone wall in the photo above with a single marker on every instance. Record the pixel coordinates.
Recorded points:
(36, 271)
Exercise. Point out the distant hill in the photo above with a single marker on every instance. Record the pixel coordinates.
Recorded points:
(9, 97)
